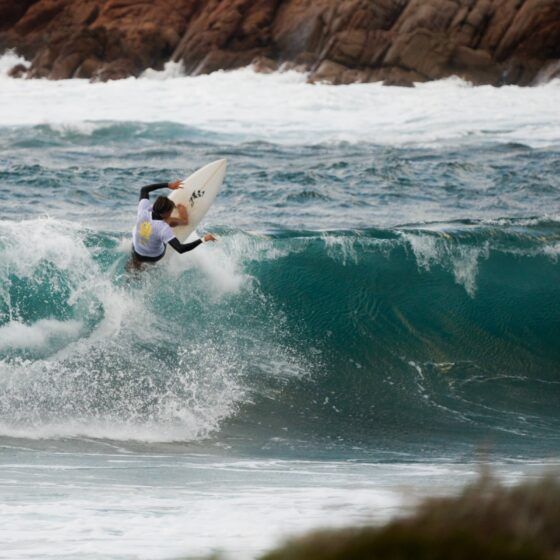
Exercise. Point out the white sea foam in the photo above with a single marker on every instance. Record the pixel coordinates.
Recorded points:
(7, 61)
(148, 506)
(283, 108)
(461, 260)
(101, 371)
(27, 244)
(260, 247)
(86, 128)
(222, 269)
(30, 248)
(341, 248)
(552, 251)
(164, 507)
(93, 351)
(170, 70)
(40, 334)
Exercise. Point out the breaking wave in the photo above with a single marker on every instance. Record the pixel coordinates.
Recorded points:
(366, 335)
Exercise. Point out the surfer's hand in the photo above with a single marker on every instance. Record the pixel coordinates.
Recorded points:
(175, 185)
(182, 209)
(209, 237)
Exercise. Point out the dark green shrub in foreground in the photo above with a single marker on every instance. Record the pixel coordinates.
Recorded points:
(486, 522)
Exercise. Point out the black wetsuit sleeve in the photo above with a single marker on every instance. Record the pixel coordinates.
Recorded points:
(145, 191)
(184, 247)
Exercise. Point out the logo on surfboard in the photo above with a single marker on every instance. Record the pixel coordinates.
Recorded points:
(198, 193)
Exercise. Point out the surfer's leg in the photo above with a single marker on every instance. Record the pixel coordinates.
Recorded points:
(133, 266)
(136, 262)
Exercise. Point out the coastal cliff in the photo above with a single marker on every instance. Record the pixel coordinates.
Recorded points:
(398, 42)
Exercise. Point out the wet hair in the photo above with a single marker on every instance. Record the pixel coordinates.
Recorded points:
(163, 206)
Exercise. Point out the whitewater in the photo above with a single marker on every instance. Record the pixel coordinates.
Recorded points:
(381, 311)
(283, 108)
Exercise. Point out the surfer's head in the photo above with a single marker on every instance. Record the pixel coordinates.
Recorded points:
(163, 207)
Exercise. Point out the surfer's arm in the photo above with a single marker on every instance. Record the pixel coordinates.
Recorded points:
(184, 247)
(145, 191)
(183, 219)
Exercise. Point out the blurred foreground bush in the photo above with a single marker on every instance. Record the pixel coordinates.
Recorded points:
(486, 522)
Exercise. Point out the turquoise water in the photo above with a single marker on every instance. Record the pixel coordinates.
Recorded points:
(382, 309)
(325, 314)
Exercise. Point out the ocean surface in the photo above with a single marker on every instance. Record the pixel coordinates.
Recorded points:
(381, 312)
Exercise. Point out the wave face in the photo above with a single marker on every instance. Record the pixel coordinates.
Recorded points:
(375, 288)
(366, 336)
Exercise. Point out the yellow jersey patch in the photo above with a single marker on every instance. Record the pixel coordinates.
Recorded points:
(145, 231)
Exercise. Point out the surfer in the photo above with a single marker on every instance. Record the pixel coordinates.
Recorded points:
(153, 232)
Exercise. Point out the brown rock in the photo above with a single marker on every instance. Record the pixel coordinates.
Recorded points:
(488, 20)
(301, 63)
(18, 71)
(549, 72)
(534, 31)
(339, 41)
(359, 47)
(435, 16)
(116, 70)
(398, 82)
(422, 51)
(42, 64)
(300, 27)
(471, 24)
(476, 66)
(65, 66)
(39, 16)
(328, 72)
(264, 65)
(11, 11)
(332, 73)
(240, 27)
(89, 68)
(394, 76)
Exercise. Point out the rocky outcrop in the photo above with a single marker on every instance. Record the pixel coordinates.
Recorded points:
(338, 41)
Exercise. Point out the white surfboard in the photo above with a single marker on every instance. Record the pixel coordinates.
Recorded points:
(198, 193)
